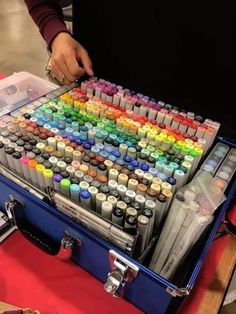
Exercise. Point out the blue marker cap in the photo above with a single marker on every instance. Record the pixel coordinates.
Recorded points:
(171, 180)
(100, 146)
(68, 120)
(76, 135)
(60, 126)
(161, 176)
(153, 171)
(116, 153)
(120, 162)
(85, 194)
(104, 154)
(108, 149)
(45, 120)
(95, 150)
(83, 128)
(86, 146)
(78, 141)
(129, 143)
(144, 167)
(75, 124)
(134, 163)
(70, 137)
(112, 158)
(91, 141)
(83, 138)
(53, 124)
(39, 116)
(75, 188)
(69, 131)
(40, 123)
(127, 159)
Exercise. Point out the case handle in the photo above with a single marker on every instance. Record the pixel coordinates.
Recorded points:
(63, 250)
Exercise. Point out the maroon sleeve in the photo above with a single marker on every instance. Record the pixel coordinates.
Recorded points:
(47, 15)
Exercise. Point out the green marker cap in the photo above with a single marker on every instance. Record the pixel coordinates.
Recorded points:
(65, 183)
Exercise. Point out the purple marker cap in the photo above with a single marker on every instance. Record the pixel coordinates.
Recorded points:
(70, 137)
(57, 178)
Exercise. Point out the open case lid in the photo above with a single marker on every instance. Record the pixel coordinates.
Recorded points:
(21, 88)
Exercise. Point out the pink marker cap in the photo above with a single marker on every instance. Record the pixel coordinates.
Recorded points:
(24, 160)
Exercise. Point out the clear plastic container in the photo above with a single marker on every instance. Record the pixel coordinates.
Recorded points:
(20, 89)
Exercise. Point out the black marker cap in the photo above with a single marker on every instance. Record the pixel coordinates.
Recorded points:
(117, 212)
(46, 156)
(47, 164)
(56, 170)
(33, 142)
(16, 155)
(28, 147)
(115, 193)
(36, 151)
(65, 174)
(13, 138)
(9, 150)
(20, 143)
(67, 160)
(75, 180)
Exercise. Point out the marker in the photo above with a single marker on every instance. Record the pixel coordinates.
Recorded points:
(117, 216)
(65, 187)
(122, 205)
(16, 159)
(130, 222)
(143, 229)
(39, 172)
(85, 199)
(48, 174)
(107, 210)
(32, 170)
(100, 198)
(8, 152)
(56, 181)
(93, 192)
(2, 155)
(75, 192)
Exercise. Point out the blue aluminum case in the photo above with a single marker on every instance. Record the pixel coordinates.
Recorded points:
(148, 291)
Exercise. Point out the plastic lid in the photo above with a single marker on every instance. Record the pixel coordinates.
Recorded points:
(75, 188)
(24, 160)
(57, 178)
(65, 183)
(32, 164)
(48, 173)
(40, 168)
(85, 195)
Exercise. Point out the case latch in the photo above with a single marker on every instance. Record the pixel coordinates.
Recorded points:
(123, 271)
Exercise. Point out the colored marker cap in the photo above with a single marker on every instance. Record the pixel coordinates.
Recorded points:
(24, 160)
(65, 183)
(32, 164)
(75, 188)
(48, 173)
(85, 195)
(40, 168)
(57, 178)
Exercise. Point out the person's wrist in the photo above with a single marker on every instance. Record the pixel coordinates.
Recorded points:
(60, 36)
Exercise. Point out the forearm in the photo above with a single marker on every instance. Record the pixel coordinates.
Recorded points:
(48, 16)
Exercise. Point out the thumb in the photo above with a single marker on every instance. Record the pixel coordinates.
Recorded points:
(85, 60)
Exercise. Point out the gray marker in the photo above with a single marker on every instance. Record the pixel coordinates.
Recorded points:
(100, 198)
(107, 210)
(143, 228)
(117, 216)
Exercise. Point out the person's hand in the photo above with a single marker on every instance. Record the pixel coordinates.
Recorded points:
(67, 55)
